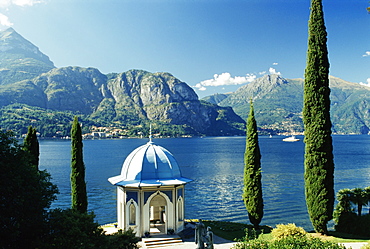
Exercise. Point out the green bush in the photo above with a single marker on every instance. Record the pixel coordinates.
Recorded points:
(306, 242)
(367, 246)
(71, 229)
(290, 242)
(286, 237)
(289, 230)
(353, 224)
(123, 240)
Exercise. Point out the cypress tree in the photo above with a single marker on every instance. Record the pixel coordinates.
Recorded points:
(252, 191)
(319, 162)
(31, 145)
(78, 184)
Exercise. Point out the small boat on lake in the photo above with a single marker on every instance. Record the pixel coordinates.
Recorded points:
(291, 139)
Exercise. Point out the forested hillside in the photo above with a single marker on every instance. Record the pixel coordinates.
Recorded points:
(278, 104)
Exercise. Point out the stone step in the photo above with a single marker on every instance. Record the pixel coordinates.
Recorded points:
(160, 242)
(154, 230)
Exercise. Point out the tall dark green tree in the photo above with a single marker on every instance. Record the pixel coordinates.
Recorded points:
(31, 145)
(252, 191)
(78, 184)
(25, 195)
(319, 163)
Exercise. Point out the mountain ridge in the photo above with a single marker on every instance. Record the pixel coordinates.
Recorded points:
(20, 59)
(135, 98)
(278, 104)
(127, 98)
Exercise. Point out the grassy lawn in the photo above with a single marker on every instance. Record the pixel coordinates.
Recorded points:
(231, 230)
(235, 231)
(343, 237)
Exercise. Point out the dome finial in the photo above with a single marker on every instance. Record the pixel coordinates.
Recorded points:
(150, 134)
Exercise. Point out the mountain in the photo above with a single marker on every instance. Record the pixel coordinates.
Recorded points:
(135, 94)
(278, 104)
(20, 59)
(124, 99)
(215, 98)
(32, 90)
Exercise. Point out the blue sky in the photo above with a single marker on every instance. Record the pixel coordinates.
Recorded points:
(216, 45)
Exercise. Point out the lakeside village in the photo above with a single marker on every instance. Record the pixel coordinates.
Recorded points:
(120, 133)
(103, 133)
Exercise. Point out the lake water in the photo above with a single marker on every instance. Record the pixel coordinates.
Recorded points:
(216, 166)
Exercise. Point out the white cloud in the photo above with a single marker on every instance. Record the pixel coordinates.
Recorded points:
(4, 21)
(26, 2)
(367, 53)
(7, 3)
(226, 79)
(200, 87)
(367, 83)
(273, 71)
(275, 63)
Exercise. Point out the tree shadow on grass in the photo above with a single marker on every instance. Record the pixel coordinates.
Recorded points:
(235, 231)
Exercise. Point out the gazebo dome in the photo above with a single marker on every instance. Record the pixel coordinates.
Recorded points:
(149, 165)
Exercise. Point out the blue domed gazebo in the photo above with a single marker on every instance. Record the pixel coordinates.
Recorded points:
(150, 191)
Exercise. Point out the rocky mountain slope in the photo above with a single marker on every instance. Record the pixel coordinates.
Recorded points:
(278, 104)
(20, 59)
(33, 91)
(136, 97)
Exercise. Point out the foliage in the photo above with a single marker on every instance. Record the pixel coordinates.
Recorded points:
(51, 123)
(123, 240)
(344, 215)
(31, 145)
(367, 246)
(289, 242)
(344, 197)
(25, 195)
(319, 164)
(72, 229)
(252, 191)
(360, 198)
(350, 198)
(351, 223)
(289, 230)
(78, 184)
(17, 117)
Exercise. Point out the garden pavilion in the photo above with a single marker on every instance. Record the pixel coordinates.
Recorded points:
(150, 191)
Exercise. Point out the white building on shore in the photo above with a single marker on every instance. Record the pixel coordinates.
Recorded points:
(150, 191)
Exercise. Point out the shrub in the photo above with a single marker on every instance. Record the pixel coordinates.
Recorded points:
(353, 224)
(123, 240)
(367, 246)
(303, 242)
(252, 244)
(290, 230)
(71, 229)
(74, 230)
(289, 242)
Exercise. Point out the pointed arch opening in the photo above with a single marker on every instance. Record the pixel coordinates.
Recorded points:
(132, 214)
(180, 209)
(158, 214)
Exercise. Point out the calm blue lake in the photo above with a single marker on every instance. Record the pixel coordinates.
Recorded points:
(216, 166)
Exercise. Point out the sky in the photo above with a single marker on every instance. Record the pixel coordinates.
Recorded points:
(215, 46)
